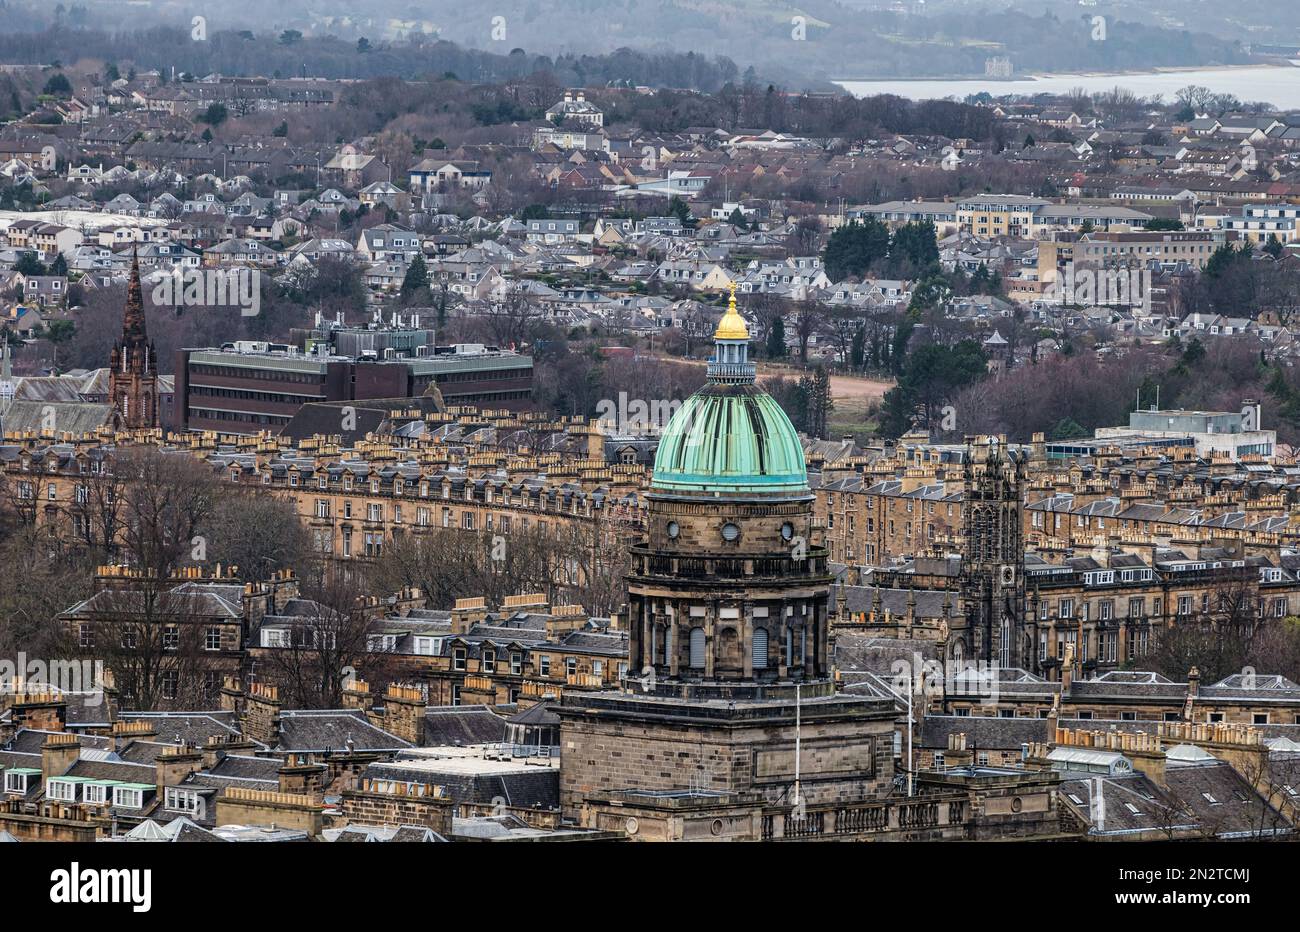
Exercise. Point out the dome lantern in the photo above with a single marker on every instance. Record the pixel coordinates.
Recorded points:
(731, 438)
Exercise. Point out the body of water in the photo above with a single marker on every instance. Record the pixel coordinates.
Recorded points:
(1279, 85)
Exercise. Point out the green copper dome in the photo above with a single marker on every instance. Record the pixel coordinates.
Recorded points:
(730, 438)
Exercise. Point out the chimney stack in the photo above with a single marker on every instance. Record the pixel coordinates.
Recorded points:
(58, 754)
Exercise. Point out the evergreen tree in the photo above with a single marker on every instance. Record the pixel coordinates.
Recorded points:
(776, 338)
(817, 389)
(57, 86)
(916, 243)
(854, 247)
(416, 280)
(215, 115)
(931, 377)
(857, 348)
(28, 264)
(678, 208)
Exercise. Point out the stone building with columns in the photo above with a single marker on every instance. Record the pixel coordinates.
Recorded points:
(730, 708)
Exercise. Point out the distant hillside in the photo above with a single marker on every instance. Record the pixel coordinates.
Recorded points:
(800, 45)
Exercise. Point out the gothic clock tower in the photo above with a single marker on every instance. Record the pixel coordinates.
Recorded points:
(993, 557)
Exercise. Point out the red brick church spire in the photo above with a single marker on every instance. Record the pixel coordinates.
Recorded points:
(133, 328)
(133, 370)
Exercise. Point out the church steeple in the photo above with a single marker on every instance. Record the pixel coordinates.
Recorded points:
(133, 326)
(133, 368)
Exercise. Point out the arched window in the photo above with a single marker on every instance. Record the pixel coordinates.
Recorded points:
(759, 644)
(697, 648)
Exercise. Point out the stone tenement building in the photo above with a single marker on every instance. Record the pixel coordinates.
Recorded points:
(903, 501)
(525, 652)
(473, 470)
(907, 500)
(1105, 609)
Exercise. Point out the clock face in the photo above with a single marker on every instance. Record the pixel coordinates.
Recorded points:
(730, 531)
(787, 530)
(673, 529)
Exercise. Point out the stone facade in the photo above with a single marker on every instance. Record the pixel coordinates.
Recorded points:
(612, 741)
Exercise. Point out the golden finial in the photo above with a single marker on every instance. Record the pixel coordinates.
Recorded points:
(732, 326)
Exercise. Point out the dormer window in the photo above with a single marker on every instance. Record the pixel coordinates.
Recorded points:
(128, 797)
(16, 780)
(96, 793)
(62, 790)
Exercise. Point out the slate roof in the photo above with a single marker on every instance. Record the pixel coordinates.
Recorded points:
(73, 418)
(29, 741)
(196, 728)
(983, 732)
(186, 601)
(537, 714)
(304, 730)
(247, 768)
(462, 725)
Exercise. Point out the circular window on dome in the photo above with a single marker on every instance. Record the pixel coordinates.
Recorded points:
(730, 531)
(787, 530)
(673, 529)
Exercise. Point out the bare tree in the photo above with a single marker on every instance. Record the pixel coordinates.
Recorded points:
(257, 531)
(512, 320)
(96, 509)
(151, 634)
(167, 499)
(765, 308)
(327, 636)
(809, 315)
(1217, 639)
